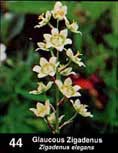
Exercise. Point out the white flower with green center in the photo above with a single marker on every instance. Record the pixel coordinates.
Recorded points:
(42, 88)
(59, 12)
(64, 70)
(73, 27)
(41, 110)
(57, 39)
(74, 58)
(52, 118)
(46, 68)
(42, 46)
(44, 19)
(67, 89)
(81, 108)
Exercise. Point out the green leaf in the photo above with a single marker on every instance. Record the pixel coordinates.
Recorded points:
(29, 6)
(16, 26)
(15, 120)
(38, 124)
(11, 27)
(78, 41)
(38, 7)
(26, 94)
(115, 17)
(5, 23)
(95, 9)
(112, 40)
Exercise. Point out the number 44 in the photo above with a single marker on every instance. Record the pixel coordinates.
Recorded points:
(14, 143)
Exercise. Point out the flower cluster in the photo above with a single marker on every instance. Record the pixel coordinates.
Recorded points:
(58, 73)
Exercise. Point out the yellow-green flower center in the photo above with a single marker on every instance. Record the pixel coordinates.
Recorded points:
(68, 90)
(41, 110)
(48, 68)
(57, 40)
(60, 13)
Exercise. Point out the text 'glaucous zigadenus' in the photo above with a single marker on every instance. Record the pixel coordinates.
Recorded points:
(56, 72)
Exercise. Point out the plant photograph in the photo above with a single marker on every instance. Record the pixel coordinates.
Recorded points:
(58, 67)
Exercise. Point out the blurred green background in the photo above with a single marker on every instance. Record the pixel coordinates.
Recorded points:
(98, 22)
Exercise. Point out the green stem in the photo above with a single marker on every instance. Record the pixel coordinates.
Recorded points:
(57, 99)
(57, 93)
(66, 66)
(52, 54)
(51, 26)
(57, 112)
(49, 125)
(68, 121)
(61, 101)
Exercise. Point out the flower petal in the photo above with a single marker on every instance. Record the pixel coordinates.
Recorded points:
(68, 96)
(34, 111)
(36, 68)
(39, 105)
(49, 44)
(52, 73)
(53, 60)
(47, 37)
(66, 71)
(47, 107)
(55, 31)
(40, 44)
(59, 83)
(52, 118)
(68, 82)
(77, 102)
(77, 94)
(68, 41)
(72, 101)
(65, 9)
(58, 5)
(43, 61)
(64, 33)
(60, 48)
(69, 52)
(33, 92)
(67, 22)
(48, 15)
(76, 87)
(41, 75)
(49, 85)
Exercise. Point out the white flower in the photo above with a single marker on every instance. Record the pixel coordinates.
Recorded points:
(57, 40)
(67, 89)
(42, 88)
(59, 11)
(52, 118)
(42, 46)
(81, 109)
(74, 58)
(3, 55)
(46, 68)
(72, 26)
(65, 71)
(44, 20)
(41, 110)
